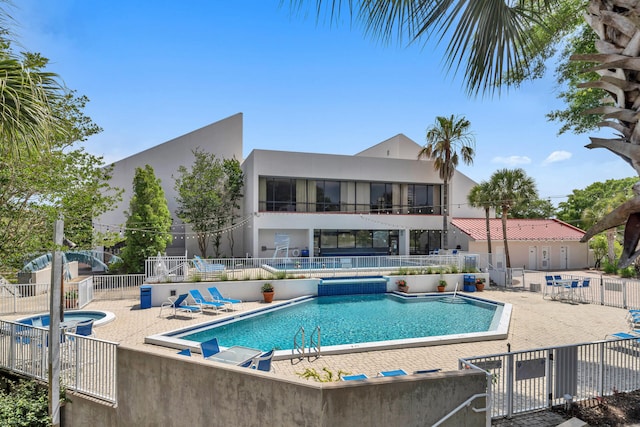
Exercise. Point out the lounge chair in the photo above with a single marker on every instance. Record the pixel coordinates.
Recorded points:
(209, 348)
(394, 373)
(427, 371)
(185, 352)
(204, 267)
(200, 300)
(217, 296)
(354, 377)
(624, 335)
(177, 304)
(263, 362)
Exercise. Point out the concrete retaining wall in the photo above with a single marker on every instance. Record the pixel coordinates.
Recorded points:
(172, 390)
(288, 289)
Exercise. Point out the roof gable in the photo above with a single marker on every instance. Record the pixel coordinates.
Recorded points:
(397, 147)
(518, 229)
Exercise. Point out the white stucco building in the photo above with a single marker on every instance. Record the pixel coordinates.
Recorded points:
(379, 201)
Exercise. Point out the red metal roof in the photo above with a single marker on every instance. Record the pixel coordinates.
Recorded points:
(518, 229)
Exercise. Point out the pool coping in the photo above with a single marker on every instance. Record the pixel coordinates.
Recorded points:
(108, 318)
(499, 329)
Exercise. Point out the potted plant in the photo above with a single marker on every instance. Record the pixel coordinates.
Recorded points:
(441, 285)
(480, 284)
(71, 299)
(402, 285)
(267, 292)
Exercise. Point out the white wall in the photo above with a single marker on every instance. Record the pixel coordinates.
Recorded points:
(222, 138)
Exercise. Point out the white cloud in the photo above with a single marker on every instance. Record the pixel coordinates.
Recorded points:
(557, 156)
(512, 160)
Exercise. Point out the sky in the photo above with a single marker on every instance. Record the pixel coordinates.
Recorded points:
(154, 71)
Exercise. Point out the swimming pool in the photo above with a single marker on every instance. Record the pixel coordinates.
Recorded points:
(100, 317)
(354, 323)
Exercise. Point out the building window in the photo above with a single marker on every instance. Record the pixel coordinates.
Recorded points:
(420, 199)
(327, 196)
(281, 194)
(381, 197)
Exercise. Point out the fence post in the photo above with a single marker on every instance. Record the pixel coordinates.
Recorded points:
(601, 371)
(601, 290)
(509, 384)
(624, 294)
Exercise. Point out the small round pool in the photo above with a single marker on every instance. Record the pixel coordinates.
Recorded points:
(100, 317)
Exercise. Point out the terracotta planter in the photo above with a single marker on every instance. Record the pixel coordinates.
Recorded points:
(268, 296)
(441, 288)
(479, 287)
(404, 289)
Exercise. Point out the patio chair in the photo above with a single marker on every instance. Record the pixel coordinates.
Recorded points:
(200, 300)
(217, 296)
(394, 373)
(85, 328)
(185, 352)
(209, 348)
(354, 377)
(635, 333)
(427, 371)
(263, 362)
(177, 304)
(204, 267)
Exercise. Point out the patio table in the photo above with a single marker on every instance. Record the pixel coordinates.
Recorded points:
(236, 355)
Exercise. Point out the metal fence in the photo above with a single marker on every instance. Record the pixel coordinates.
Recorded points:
(87, 364)
(602, 289)
(530, 380)
(24, 298)
(117, 286)
(168, 269)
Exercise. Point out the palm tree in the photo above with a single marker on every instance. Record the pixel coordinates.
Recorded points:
(481, 196)
(509, 188)
(27, 121)
(443, 140)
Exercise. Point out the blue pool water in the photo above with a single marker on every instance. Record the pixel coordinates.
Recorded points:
(76, 315)
(352, 319)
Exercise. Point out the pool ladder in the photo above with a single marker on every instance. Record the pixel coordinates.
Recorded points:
(314, 343)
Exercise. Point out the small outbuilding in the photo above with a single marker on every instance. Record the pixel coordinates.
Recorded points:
(535, 244)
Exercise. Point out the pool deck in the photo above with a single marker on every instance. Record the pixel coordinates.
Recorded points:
(535, 322)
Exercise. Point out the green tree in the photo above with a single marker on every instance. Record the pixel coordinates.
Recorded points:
(63, 180)
(148, 221)
(481, 196)
(444, 139)
(584, 208)
(572, 210)
(208, 196)
(511, 188)
(538, 208)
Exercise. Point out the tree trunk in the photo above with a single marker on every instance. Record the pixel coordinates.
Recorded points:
(505, 211)
(611, 239)
(486, 213)
(445, 211)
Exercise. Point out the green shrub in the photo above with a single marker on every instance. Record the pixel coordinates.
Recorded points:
(609, 268)
(327, 377)
(627, 272)
(24, 403)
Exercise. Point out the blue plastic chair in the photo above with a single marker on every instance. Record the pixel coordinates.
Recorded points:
(263, 362)
(217, 296)
(209, 348)
(202, 302)
(85, 328)
(185, 352)
(394, 373)
(354, 377)
(177, 304)
(205, 267)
